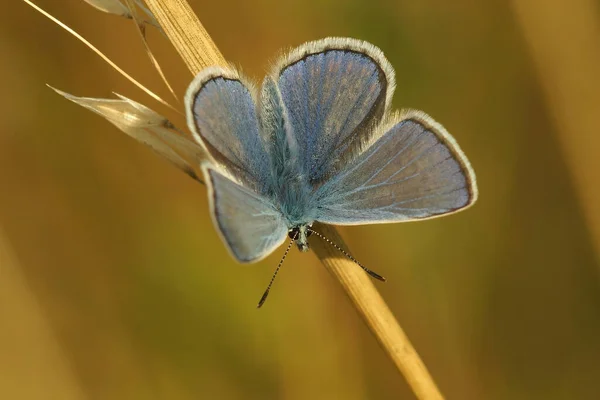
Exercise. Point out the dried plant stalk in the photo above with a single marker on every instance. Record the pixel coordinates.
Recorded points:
(377, 315)
(184, 30)
(110, 6)
(116, 7)
(141, 29)
(98, 52)
(148, 127)
(198, 51)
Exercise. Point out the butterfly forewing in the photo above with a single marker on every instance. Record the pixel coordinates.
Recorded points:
(222, 116)
(335, 91)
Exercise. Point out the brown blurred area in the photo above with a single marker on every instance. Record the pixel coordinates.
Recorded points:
(114, 284)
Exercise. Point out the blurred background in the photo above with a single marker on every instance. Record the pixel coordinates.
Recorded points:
(115, 285)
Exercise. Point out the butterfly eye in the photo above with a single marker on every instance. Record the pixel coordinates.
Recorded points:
(293, 233)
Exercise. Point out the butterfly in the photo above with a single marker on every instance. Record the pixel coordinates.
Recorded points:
(318, 142)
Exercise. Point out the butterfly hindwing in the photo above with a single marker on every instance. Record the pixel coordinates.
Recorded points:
(249, 223)
(413, 169)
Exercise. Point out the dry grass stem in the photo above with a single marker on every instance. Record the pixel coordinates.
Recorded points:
(116, 7)
(149, 128)
(98, 52)
(198, 51)
(141, 29)
(377, 315)
(184, 30)
(110, 6)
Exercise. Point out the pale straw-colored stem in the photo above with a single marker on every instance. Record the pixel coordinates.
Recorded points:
(184, 30)
(198, 51)
(377, 315)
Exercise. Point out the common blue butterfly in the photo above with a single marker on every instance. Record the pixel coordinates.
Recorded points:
(317, 142)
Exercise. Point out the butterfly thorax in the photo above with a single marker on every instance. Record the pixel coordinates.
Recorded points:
(289, 186)
(292, 194)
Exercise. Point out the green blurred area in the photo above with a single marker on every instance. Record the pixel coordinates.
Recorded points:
(118, 286)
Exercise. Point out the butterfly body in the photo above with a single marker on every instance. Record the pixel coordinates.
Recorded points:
(317, 143)
(289, 187)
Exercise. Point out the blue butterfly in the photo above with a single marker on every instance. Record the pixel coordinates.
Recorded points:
(317, 142)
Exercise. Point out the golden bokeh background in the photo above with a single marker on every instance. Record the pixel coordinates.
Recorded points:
(115, 285)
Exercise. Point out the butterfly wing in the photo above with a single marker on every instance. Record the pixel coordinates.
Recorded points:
(335, 91)
(221, 114)
(248, 222)
(221, 111)
(412, 169)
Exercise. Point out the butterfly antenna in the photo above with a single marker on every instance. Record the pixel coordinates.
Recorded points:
(367, 270)
(264, 296)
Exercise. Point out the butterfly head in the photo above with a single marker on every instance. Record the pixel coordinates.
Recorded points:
(300, 235)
